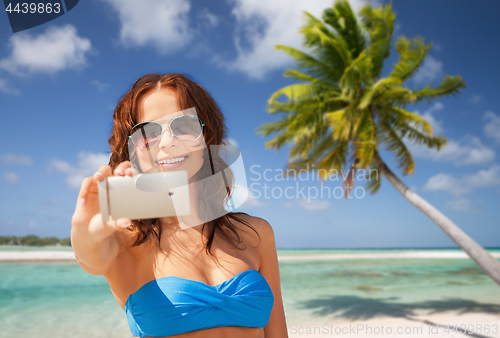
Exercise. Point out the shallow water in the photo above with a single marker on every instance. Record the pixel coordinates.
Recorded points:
(59, 299)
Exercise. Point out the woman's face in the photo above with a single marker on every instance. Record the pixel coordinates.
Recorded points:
(164, 104)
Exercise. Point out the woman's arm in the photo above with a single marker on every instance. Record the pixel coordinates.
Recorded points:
(96, 243)
(276, 327)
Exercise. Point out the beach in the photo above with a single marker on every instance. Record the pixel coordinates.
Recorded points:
(33, 256)
(326, 293)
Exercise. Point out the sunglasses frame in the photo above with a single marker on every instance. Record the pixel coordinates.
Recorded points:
(171, 131)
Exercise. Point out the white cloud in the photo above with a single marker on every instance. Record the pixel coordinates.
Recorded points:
(467, 150)
(262, 24)
(312, 204)
(492, 127)
(438, 47)
(7, 89)
(463, 205)
(428, 115)
(430, 70)
(232, 141)
(444, 182)
(162, 24)
(251, 200)
(18, 159)
(32, 224)
(56, 49)
(466, 184)
(476, 99)
(101, 86)
(87, 165)
(208, 19)
(11, 177)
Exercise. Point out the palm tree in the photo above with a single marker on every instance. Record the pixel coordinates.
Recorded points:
(343, 107)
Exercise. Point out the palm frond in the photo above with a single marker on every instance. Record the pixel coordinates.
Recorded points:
(293, 73)
(379, 23)
(414, 135)
(365, 142)
(450, 85)
(306, 61)
(373, 179)
(396, 96)
(411, 56)
(378, 89)
(276, 126)
(344, 21)
(409, 117)
(334, 53)
(295, 92)
(333, 160)
(342, 108)
(356, 74)
(394, 143)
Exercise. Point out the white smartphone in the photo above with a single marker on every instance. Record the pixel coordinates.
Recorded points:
(143, 196)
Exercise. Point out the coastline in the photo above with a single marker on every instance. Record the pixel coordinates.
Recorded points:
(40, 256)
(419, 301)
(36, 256)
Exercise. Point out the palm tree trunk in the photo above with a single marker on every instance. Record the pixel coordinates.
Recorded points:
(489, 264)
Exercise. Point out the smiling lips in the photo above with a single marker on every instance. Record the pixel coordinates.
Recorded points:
(172, 162)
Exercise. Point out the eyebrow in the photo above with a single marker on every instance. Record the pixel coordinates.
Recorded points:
(169, 118)
(163, 118)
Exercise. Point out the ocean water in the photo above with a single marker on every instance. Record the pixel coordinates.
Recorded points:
(59, 299)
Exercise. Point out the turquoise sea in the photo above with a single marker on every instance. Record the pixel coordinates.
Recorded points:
(59, 299)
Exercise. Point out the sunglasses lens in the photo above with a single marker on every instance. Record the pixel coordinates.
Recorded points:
(186, 128)
(146, 135)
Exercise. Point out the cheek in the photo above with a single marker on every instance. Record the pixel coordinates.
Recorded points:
(197, 152)
(198, 159)
(144, 159)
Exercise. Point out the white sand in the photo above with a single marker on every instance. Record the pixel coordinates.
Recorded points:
(403, 254)
(25, 256)
(421, 326)
(414, 326)
(30, 256)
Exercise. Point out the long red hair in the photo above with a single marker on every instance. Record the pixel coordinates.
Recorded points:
(190, 94)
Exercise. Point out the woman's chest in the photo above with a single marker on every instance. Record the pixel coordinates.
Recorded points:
(143, 265)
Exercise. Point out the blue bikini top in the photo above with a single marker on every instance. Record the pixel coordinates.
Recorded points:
(172, 305)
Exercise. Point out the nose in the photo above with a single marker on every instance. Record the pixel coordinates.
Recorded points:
(167, 140)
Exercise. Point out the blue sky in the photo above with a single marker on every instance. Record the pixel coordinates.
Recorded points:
(60, 82)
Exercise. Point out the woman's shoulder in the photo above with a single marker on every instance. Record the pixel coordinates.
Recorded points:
(256, 222)
(263, 231)
(260, 225)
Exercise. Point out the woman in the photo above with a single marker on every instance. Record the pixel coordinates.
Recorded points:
(216, 279)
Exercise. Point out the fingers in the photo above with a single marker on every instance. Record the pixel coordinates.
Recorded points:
(103, 172)
(84, 189)
(84, 201)
(124, 169)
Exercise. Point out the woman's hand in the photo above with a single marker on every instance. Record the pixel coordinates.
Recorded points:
(87, 220)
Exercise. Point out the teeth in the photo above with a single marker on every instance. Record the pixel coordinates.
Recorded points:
(174, 160)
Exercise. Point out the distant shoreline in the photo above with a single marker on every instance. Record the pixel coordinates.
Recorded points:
(46, 256)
